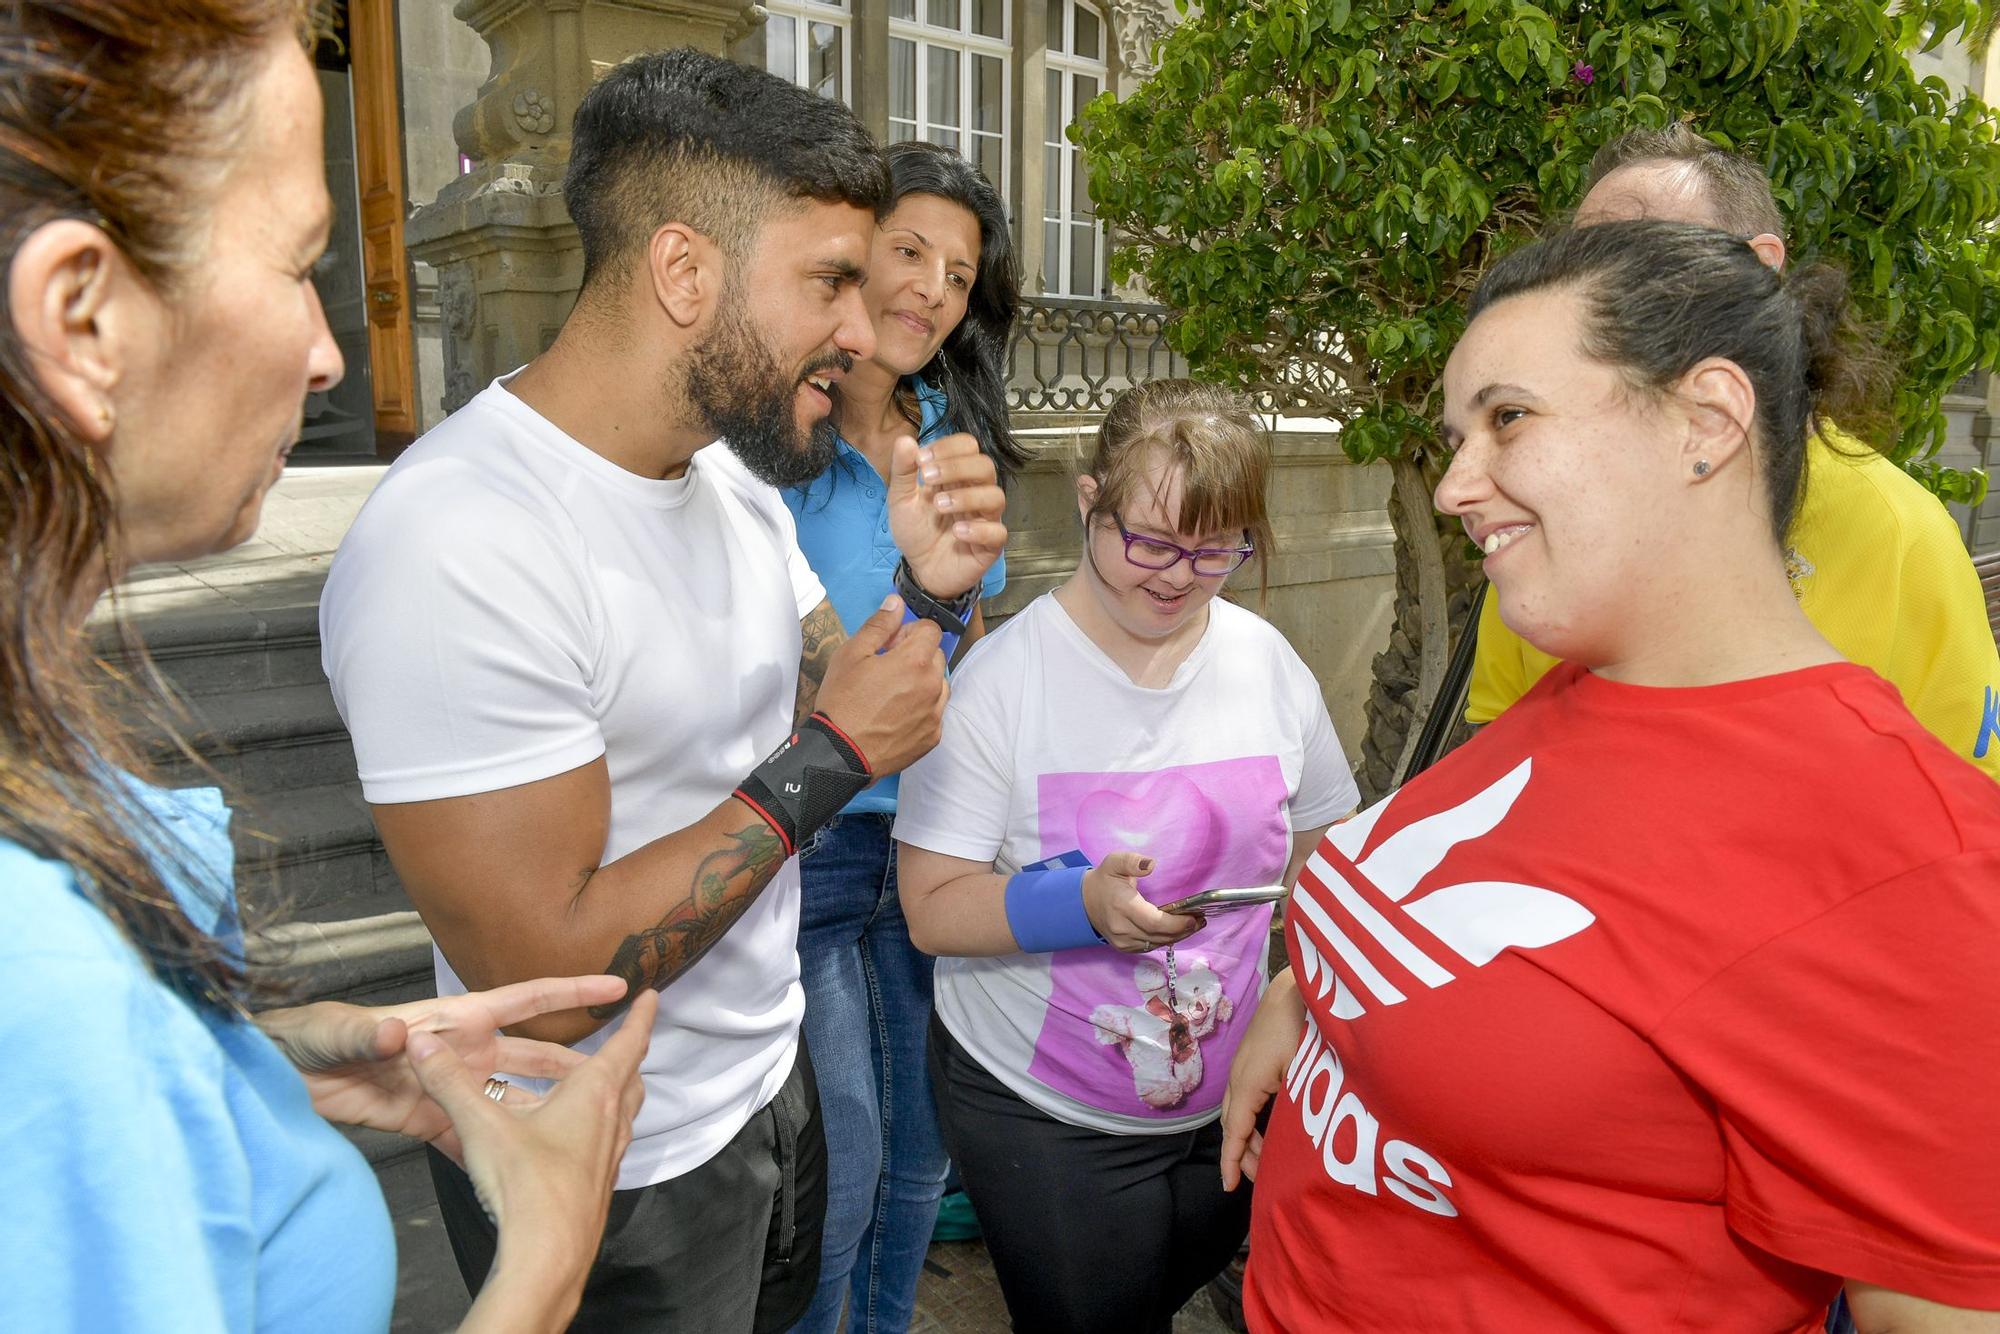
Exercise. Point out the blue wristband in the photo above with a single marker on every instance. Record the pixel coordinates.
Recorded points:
(947, 641)
(1045, 910)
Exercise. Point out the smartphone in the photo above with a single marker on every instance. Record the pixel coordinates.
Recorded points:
(1212, 900)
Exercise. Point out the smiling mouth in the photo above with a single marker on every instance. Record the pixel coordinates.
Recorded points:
(1167, 601)
(1501, 538)
(916, 322)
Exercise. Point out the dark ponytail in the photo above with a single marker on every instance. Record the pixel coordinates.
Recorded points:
(1847, 375)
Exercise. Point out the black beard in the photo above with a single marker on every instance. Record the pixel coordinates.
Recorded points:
(734, 382)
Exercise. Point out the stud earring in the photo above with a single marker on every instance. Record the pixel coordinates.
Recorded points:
(1701, 467)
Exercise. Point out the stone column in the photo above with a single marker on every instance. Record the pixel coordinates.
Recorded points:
(869, 63)
(1031, 121)
(1137, 27)
(506, 253)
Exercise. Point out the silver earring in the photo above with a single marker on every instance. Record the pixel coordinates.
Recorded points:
(1701, 467)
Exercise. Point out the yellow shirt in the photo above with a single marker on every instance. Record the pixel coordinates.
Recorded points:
(1879, 568)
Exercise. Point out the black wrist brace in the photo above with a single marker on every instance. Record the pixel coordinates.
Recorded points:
(806, 781)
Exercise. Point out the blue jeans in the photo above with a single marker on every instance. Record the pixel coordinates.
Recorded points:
(868, 1005)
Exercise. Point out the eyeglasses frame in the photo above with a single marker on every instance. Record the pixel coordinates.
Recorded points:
(1181, 553)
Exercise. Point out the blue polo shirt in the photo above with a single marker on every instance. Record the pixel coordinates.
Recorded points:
(165, 1167)
(843, 521)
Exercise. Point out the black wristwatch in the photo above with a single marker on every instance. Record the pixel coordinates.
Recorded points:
(952, 615)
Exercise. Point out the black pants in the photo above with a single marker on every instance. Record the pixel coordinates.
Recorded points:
(1089, 1233)
(730, 1248)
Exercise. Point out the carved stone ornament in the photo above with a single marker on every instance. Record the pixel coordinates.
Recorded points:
(534, 111)
(459, 306)
(1142, 25)
(519, 185)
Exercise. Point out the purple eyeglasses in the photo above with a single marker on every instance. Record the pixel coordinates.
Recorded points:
(1156, 553)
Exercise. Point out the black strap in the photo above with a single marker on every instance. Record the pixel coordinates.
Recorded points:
(805, 782)
(953, 616)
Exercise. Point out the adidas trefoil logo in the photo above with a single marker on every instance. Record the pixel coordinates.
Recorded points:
(1476, 920)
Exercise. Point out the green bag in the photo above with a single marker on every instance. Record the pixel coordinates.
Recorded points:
(955, 1220)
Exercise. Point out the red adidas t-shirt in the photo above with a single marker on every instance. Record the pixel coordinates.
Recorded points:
(1647, 1009)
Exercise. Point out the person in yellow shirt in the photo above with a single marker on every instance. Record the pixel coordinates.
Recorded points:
(1875, 559)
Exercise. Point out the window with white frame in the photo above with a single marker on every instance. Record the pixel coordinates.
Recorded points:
(1072, 237)
(806, 43)
(948, 78)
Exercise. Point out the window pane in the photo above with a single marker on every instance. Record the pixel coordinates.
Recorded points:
(900, 130)
(1079, 188)
(988, 87)
(1052, 257)
(1088, 35)
(941, 86)
(902, 9)
(781, 48)
(1055, 38)
(823, 59)
(942, 14)
(991, 158)
(989, 18)
(944, 134)
(1086, 88)
(902, 79)
(1052, 114)
(1083, 259)
(1052, 165)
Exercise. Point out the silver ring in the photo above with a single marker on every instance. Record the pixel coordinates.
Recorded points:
(496, 1089)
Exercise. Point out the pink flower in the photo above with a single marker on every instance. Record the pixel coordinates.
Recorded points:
(1583, 73)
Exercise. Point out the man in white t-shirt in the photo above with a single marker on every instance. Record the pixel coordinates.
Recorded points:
(564, 633)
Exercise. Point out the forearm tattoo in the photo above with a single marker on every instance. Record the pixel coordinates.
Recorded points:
(726, 883)
(822, 635)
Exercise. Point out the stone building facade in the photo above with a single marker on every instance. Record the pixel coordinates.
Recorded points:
(488, 91)
(483, 93)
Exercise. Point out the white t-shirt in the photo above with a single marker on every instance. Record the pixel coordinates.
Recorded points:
(1049, 749)
(509, 606)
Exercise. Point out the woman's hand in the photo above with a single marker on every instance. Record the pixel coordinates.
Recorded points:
(1256, 1072)
(1122, 915)
(543, 1169)
(945, 512)
(354, 1063)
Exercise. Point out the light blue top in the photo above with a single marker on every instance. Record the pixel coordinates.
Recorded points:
(164, 1167)
(843, 520)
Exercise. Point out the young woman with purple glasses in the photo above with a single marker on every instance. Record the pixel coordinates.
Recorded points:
(1126, 741)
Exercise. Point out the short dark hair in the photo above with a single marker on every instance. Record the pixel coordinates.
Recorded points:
(1661, 297)
(685, 136)
(1736, 188)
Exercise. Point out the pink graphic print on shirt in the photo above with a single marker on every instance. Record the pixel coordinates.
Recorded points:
(1109, 1038)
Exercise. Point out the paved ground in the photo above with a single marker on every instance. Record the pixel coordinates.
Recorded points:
(958, 1294)
(305, 516)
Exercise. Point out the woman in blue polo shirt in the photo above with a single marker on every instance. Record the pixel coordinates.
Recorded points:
(942, 286)
(168, 1167)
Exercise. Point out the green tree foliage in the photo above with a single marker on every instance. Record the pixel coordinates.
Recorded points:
(1315, 186)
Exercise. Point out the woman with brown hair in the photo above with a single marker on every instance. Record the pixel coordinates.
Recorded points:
(1126, 741)
(1667, 1001)
(163, 201)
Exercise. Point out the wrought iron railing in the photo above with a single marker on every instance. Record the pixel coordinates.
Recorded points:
(1074, 356)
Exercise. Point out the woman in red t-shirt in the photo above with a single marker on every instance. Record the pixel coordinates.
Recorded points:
(1669, 1000)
